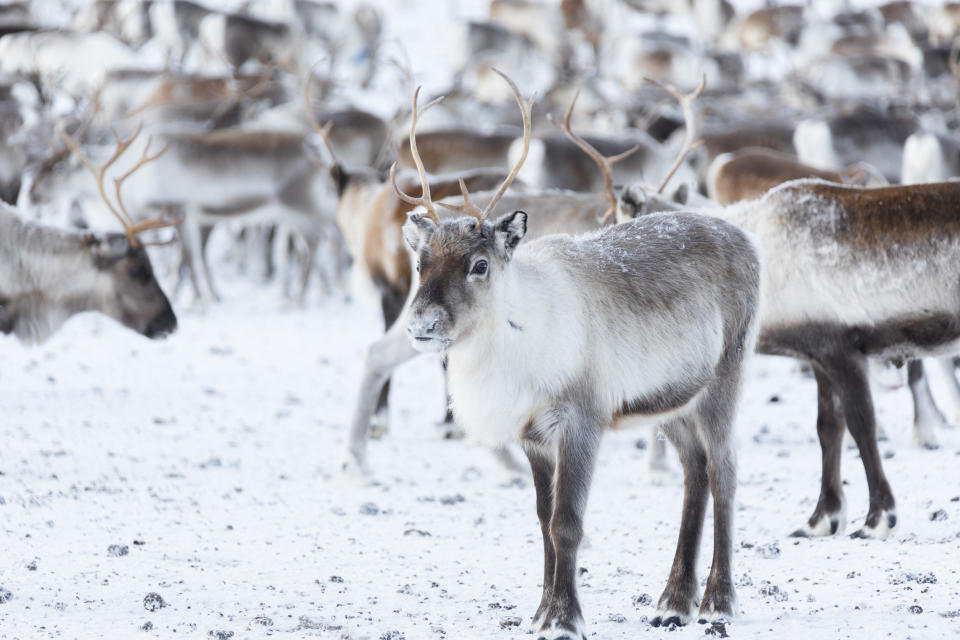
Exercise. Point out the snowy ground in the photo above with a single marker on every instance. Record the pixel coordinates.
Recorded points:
(211, 457)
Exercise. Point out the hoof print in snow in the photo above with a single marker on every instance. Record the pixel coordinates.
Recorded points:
(642, 600)
(336, 579)
(717, 630)
(938, 516)
(146, 626)
(220, 634)
(153, 602)
(118, 550)
(771, 590)
(417, 532)
(510, 621)
(5, 595)
(619, 618)
(915, 608)
(451, 500)
(392, 635)
(263, 621)
(369, 509)
(32, 565)
(769, 551)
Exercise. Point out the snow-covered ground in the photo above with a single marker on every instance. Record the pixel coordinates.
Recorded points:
(211, 457)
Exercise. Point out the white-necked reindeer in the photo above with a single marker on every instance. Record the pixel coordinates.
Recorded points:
(371, 216)
(49, 274)
(551, 341)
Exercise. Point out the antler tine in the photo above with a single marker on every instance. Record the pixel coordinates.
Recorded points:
(467, 207)
(154, 223)
(686, 105)
(526, 109)
(605, 163)
(324, 129)
(100, 172)
(424, 200)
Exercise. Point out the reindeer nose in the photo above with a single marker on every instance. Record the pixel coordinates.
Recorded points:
(423, 329)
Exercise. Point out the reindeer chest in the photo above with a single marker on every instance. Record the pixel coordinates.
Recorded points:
(495, 397)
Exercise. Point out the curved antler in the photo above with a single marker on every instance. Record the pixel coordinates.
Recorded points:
(604, 162)
(424, 199)
(526, 109)
(324, 129)
(130, 227)
(686, 105)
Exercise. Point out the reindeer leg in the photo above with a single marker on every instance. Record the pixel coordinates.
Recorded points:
(578, 441)
(383, 356)
(190, 257)
(715, 421)
(449, 428)
(205, 232)
(829, 516)
(543, 466)
(848, 373)
(311, 242)
(391, 305)
(948, 366)
(679, 598)
(926, 415)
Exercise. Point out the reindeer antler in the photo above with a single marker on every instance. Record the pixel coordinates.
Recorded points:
(526, 108)
(130, 227)
(686, 105)
(424, 199)
(324, 129)
(604, 162)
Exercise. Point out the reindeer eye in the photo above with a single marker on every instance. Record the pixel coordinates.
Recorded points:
(479, 268)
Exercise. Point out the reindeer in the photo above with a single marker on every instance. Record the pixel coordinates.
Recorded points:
(374, 232)
(859, 273)
(232, 175)
(749, 173)
(551, 341)
(863, 134)
(48, 274)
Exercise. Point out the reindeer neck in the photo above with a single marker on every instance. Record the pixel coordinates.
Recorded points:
(46, 275)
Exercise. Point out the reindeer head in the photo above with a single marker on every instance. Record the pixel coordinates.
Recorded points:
(127, 290)
(459, 263)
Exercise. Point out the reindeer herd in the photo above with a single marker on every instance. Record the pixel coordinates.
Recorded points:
(569, 281)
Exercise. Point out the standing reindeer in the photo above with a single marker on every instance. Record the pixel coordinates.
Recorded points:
(856, 273)
(371, 215)
(48, 274)
(552, 341)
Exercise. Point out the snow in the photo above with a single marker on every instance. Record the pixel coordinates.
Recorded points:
(212, 456)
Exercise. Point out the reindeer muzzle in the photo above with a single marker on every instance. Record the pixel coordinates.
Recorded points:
(162, 325)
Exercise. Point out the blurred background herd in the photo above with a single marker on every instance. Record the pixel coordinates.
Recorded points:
(260, 104)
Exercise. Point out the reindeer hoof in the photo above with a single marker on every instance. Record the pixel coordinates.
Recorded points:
(828, 524)
(558, 630)
(355, 465)
(667, 620)
(379, 425)
(885, 522)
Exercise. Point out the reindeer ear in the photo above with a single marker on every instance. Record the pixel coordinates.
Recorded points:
(682, 194)
(417, 230)
(509, 230)
(632, 203)
(108, 248)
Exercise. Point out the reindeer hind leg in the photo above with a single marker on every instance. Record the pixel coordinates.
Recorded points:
(680, 597)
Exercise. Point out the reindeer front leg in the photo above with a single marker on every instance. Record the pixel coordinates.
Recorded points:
(543, 465)
(578, 438)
